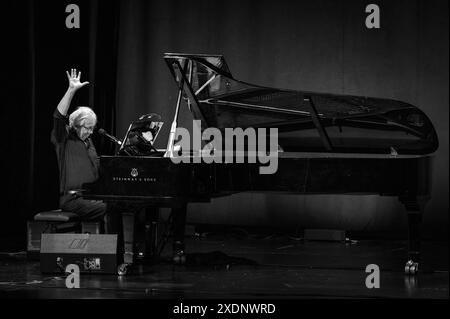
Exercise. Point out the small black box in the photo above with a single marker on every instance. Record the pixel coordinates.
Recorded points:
(34, 231)
(90, 227)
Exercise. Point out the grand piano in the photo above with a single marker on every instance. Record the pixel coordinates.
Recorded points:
(327, 144)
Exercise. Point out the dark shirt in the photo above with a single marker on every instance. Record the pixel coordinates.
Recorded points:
(78, 161)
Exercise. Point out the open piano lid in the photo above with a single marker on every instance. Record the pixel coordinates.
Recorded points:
(306, 121)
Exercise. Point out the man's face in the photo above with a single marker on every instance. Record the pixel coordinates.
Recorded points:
(85, 129)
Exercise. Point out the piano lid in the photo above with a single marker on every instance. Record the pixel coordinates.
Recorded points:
(307, 121)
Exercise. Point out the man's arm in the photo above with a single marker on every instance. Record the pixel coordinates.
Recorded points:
(74, 85)
(60, 132)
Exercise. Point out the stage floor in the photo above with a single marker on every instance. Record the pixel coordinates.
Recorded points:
(243, 266)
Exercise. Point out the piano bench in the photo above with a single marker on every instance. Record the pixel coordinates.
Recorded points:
(57, 220)
(56, 215)
(53, 221)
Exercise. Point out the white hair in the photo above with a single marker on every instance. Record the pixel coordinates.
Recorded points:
(80, 114)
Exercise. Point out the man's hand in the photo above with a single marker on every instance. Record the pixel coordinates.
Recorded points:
(74, 85)
(74, 80)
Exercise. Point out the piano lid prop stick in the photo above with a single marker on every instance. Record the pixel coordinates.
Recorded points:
(169, 150)
(173, 128)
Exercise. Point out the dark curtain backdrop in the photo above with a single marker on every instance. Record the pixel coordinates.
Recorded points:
(39, 49)
(319, 45)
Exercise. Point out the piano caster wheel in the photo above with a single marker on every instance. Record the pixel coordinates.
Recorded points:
(179, 258)
(411, 268)
(123, 269)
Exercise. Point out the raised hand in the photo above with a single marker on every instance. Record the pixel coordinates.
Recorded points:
(74, 80)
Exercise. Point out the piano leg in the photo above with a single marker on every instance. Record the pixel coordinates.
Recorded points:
(152, 216)
(179, 223)
(151, 232)
(128, 237)
(414, 208)
(127, 243)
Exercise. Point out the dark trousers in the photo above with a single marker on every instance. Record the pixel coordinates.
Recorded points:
(92, 210)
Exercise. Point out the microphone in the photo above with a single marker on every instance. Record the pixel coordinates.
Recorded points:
(112, 138)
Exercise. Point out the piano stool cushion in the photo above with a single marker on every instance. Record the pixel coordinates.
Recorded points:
(56, 215)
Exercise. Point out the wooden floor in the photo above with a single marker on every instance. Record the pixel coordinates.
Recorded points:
(249, 266)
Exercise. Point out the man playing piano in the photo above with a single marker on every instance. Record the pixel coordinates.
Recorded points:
(77, 157)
